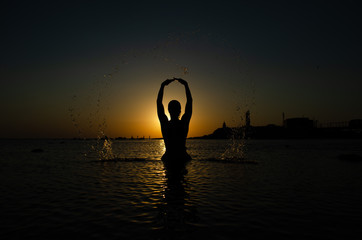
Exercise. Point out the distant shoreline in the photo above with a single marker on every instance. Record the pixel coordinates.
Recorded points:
(293, 128)
(254, 133)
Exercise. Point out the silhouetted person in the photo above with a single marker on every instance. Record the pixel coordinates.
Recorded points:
(175, 131)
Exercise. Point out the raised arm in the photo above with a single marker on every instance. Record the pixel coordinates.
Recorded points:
(188, 108)
(160, 109)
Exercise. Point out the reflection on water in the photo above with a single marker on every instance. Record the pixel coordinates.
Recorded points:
(299, 189)
(175, 213)
(177, 216)
(159, 196)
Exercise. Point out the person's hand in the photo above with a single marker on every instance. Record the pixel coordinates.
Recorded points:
(180, 80)
(167, 82)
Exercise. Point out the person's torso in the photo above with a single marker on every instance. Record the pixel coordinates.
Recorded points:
(174, 134)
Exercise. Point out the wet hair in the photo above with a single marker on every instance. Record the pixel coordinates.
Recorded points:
(174, 108)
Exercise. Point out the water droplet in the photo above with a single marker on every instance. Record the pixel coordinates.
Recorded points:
(185, 70)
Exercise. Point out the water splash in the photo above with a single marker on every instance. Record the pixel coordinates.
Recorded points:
(105, 152)
(185, 70)
(75, 115)
(88, 114)
(236, 150)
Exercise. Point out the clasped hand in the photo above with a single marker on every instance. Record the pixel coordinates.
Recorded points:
(180, 80)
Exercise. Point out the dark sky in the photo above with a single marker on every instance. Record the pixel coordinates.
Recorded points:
(66, 64)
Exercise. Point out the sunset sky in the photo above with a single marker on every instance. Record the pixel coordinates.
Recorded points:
(95, 68)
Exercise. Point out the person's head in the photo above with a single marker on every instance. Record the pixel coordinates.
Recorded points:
(174, 108)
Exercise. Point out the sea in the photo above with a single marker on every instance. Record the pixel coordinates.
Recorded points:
(232, 189)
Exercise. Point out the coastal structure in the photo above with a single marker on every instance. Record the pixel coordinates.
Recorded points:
(355, 124)
(298, 123)
(301, 127)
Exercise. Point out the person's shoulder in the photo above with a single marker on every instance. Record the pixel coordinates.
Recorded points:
(185, 118)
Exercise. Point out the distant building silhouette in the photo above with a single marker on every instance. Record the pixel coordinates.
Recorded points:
(292, 128)
(355, 123)
(221, 133)
(342, 124)
(298, 123)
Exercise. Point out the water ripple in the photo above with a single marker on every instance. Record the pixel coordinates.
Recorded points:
(301, 191)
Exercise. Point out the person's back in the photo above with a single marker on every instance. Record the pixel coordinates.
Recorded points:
(175, 131)
(174, 135)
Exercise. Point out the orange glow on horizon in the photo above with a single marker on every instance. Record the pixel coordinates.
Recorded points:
(134, 114)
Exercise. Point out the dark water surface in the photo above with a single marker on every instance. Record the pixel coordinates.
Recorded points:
(299, 189)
